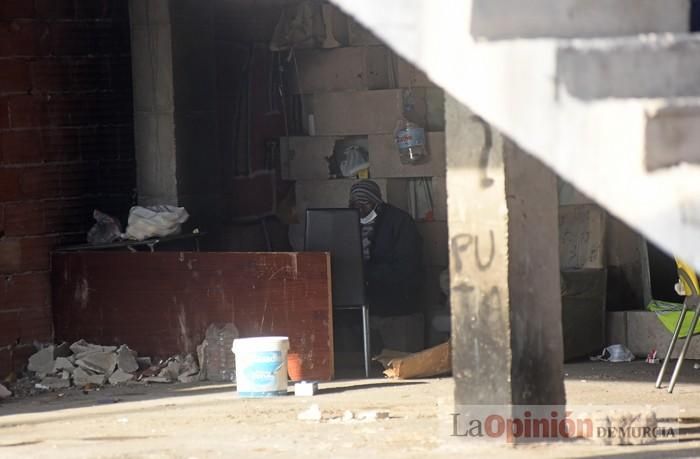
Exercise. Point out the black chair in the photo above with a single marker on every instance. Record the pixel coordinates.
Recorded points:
(337, 231)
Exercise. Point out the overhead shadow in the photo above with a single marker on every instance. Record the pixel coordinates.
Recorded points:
(341, 389)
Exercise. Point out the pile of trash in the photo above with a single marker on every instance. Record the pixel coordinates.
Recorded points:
(83, 364)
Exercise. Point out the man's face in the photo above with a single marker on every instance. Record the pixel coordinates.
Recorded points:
(363, 207)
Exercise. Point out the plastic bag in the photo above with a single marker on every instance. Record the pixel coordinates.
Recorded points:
(147, 222)
(615, 353)
(107, 229)
(354, 159)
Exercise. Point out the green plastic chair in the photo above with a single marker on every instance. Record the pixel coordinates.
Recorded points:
(691, 289)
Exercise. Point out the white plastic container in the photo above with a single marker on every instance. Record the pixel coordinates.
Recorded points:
(261, 366)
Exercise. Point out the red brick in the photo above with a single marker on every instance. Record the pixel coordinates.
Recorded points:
(51, 75)
(9, 327)
(22, 291)
(4, 113)
(25, 218)
(72, 110)
(91, 74)
(117, 177)
(94, 9)
(14, 76)
(55, 9)
(27, 111)
(18, 255)
(99, 142)
(73, 39)
(41, 182)
(60, 144)
(35, 324)
(70, 215)
(20, 146)
(16, 9)
(10, 184)
(79, 179)
(22, 39)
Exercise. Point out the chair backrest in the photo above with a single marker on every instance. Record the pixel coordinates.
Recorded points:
(688, 279)
(337, 231)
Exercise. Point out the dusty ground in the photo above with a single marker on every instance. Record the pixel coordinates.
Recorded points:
(198, 421)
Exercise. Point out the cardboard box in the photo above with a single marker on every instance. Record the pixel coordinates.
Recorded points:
(581, 237)
(341, 69)
(384, 157)
(364, 112)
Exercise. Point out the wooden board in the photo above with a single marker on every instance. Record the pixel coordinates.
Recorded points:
(160, 304)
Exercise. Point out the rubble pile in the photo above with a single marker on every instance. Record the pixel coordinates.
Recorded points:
(82, 364)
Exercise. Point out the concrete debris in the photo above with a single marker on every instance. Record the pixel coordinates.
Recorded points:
(53, 383)
(157, 379)
(42, 361)
(81, 377)
(63, 363)
(83, 347)
(90, 366)
(4, 392)
(126, 360)
(103, 362)
(619, 421)
(313, 413)
(144, 362)
(62, 350)
(119, 377)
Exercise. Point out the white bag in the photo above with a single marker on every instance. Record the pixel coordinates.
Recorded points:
(154, 221)
(615, 353)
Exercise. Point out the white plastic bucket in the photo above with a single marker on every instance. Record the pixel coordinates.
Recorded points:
(261, 366)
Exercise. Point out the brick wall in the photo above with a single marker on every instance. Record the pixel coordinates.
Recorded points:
(66, 146)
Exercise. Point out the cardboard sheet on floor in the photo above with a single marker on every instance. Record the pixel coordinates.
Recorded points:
(435, 361)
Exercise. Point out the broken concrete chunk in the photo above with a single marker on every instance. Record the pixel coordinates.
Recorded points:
(4, 392)
(63, 363)
(83, 347)
(53, 383)
(607, 425)
(100, 362)
(144, 362)
(185, 378)
(65, 374)
(372, 415)
(126, 359)
(157, 379)
(62, 350)
(81, 377)
(313, 413)
(42, 361)
(98, 380)
(172, 370)
(120, 376)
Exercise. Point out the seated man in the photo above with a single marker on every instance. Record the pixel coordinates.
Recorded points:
(392, 249)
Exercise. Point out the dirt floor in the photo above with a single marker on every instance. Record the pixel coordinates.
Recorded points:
(202, 420)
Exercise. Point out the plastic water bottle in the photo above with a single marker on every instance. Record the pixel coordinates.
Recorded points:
(410, 139)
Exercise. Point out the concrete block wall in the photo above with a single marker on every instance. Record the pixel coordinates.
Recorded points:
(357, 94)
(66, 147)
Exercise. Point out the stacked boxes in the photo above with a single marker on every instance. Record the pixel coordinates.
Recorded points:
(357, 95)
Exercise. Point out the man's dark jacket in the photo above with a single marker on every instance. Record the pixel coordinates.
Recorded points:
(393, 272)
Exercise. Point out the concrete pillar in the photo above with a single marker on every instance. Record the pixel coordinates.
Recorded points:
(154, 101)
(175, 106)
(504, 265)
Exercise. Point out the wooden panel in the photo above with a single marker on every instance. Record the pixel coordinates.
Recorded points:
(160, 304)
